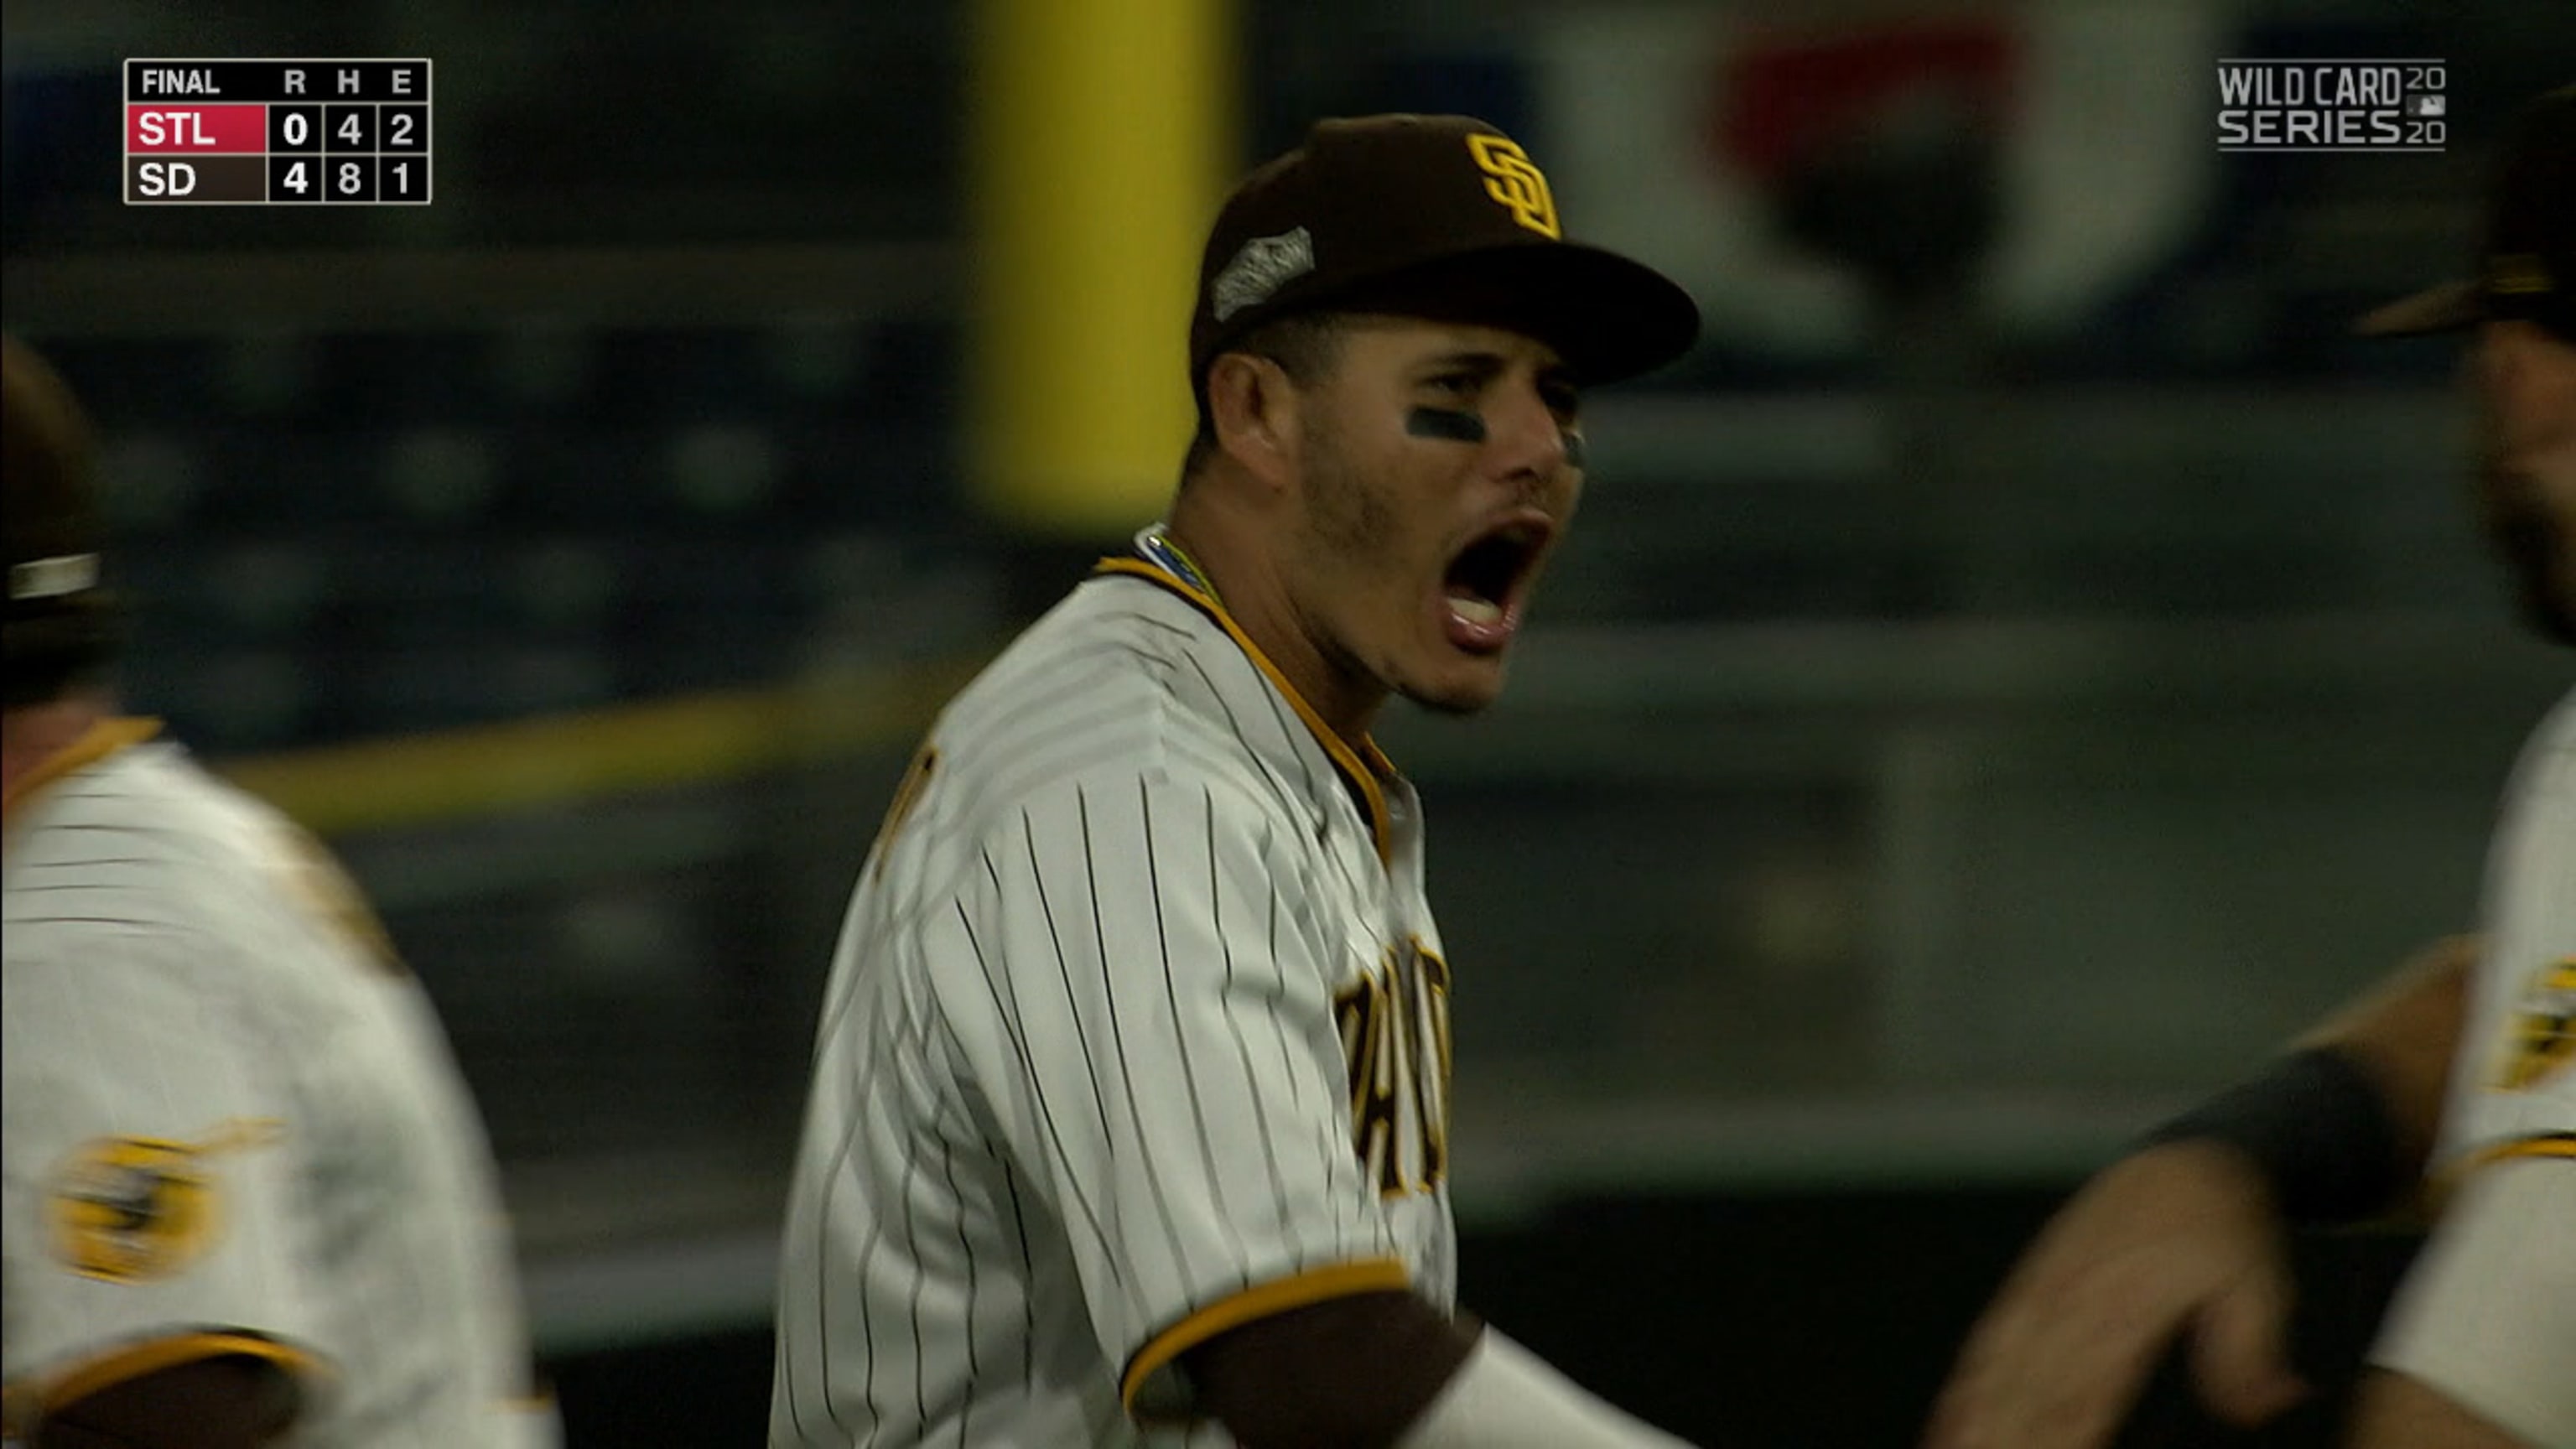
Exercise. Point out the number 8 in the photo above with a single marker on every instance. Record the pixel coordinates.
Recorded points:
(352, 180)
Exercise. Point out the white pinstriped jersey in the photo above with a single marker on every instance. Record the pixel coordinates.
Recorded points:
(1137, 1030)
(2513, 1092)
(232, 1125)
(2489, 1314)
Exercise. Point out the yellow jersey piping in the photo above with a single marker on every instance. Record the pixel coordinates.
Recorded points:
(1362, 767)
(1262, 1300)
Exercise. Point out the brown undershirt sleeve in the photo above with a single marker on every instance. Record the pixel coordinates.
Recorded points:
(1350, 1373)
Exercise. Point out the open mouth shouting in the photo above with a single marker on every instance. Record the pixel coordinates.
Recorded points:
(1486, 581)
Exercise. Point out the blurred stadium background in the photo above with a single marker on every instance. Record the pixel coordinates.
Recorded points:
(2028, 662)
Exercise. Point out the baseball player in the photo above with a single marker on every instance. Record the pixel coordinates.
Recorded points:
(2466, 1063)
(247, 1200)
(1130, 1109)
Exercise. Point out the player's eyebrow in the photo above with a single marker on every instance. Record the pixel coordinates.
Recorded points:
(1486, 363)
(1480, 361)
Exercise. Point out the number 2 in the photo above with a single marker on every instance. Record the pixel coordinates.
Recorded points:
(402, 130)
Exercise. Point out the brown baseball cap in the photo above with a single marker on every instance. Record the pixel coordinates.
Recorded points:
(60, 616)
(1442, 217)
(2527, 263)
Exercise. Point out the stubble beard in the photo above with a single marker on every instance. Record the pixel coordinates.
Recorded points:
(1348, 537)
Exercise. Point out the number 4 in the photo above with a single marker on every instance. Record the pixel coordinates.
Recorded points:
(353, 130)
(295, 178)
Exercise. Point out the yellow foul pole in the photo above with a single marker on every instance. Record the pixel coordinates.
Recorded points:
(1102, 135)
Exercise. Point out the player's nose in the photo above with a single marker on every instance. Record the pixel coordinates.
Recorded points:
(1529, 437)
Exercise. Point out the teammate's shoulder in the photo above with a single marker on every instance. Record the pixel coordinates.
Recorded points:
(2543, 778)
(2556, 733)
(149, 798)
(150, 825)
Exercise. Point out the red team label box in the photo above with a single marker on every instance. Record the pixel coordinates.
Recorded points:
(276, 131)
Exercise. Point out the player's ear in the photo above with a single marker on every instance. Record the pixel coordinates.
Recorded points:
(1252, 406)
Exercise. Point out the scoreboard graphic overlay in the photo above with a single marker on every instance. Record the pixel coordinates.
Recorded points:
(260, 132)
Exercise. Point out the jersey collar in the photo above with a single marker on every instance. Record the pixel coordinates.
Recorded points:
(99, 741)
(1364, 768)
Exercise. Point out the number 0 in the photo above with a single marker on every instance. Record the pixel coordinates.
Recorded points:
(297, 128)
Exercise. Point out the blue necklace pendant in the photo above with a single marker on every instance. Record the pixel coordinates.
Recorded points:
(1158, 547)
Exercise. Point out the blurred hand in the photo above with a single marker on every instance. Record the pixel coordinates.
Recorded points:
(2179, 1239)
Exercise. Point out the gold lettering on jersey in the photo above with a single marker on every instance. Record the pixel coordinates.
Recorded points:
(2540, 1040)
(1395, 1037)
(916, 778)
(129, 1209)
(1515, 181)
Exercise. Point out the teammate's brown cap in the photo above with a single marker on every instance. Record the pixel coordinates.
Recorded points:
(2527, 265)
(1443, 217)
(60, 616)
(52, 512)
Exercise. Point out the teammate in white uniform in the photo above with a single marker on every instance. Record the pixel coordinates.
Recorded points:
(2465, 1066)
(247, 1200)
(2488, 1315)
(1130, 1110)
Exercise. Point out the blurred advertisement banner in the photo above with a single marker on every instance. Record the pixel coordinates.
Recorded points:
(2037, 160)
